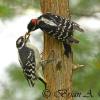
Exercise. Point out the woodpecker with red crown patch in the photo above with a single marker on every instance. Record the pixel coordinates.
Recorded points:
(57, 27)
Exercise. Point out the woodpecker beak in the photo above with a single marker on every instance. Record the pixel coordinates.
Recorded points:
(32, 25)
(31, 28)
(26, 37)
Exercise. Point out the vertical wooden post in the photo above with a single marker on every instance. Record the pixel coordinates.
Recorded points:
(58, 73)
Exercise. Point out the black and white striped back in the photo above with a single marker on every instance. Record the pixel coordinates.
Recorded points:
(60, 28)
(57, 26)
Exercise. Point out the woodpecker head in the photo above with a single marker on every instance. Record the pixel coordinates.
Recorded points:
(33, 25)
(20, 42)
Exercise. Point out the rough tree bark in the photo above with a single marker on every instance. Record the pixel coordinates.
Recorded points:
(59, 72)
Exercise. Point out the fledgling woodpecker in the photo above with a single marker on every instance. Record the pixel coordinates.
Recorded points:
(56, 26)
(30, 61)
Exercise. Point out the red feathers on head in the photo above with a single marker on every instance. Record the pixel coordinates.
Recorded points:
(34, 21)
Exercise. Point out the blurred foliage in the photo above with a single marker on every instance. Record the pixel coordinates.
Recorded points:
(9, 8)
(6, 11)
(91, 5)
(81, 8)
(18, 88)
(23, 3)
(77, 6)
(87, 52)
(16, 75)
(83, 49)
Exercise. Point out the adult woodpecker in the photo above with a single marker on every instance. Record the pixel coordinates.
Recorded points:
(56, 26)
(30, 60)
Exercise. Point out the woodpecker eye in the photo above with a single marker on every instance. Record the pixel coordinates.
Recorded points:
(20, 42)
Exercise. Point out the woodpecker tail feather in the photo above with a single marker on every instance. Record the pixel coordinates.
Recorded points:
(72, 40)
(67, 49)
(67, 45)
(77, 27)
(43, 81)
(30, 82)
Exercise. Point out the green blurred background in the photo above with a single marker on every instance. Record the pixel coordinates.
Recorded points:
(86, 53)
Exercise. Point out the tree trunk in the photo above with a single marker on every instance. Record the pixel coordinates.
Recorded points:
(58, 73)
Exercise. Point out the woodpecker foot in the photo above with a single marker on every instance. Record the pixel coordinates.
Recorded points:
(43, 81)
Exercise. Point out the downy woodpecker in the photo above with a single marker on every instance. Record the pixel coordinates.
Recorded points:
(30, 61)
(56, 26)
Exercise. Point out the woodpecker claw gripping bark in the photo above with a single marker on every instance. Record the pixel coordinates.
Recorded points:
(29, 59)
(57, 27)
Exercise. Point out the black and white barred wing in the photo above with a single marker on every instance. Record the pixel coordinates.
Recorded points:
(38, 64)
(55, 25)
(59, 27)
(28, 65)
(30, 68)
(60, 20)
